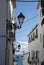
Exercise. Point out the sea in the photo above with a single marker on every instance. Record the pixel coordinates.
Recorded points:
(19, 59)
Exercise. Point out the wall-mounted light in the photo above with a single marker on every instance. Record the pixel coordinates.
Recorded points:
(21, 18)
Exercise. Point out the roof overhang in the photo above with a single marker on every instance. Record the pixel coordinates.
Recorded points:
(14, 3)
(33, 29)
(39, 4)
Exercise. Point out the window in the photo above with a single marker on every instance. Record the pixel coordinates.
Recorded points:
(36, 33)
(41, 12)
(37, 54)
(43, 41)
(9, 25)
(33, 36)
(33, 56)
(42, 22)
(29, 40)
(28, 58)
(42, 5)
(40, 37)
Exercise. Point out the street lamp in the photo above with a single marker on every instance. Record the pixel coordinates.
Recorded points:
(21, 18)
(17, 47)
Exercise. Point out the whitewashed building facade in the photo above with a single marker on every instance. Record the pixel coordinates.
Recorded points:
(25, 59)
(6, 40)
(36, 39)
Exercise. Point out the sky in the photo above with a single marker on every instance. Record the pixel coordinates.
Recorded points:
(23, 49)
(29, 10)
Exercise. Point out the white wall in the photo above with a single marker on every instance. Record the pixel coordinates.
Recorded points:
(25, 59)
(3, 18)
(37, 44)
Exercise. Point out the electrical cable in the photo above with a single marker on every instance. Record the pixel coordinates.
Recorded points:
(32, 18)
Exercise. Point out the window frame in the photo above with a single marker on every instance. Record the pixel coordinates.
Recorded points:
(43, 41)
(36, 36)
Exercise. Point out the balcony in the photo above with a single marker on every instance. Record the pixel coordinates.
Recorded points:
(9, 25)
(11, 36)
(36, 60)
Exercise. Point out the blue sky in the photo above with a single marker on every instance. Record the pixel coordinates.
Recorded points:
(29, 9)
(23, 49)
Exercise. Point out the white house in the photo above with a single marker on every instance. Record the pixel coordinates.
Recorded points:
(25, 58)
(6, 18)
(36, 39)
